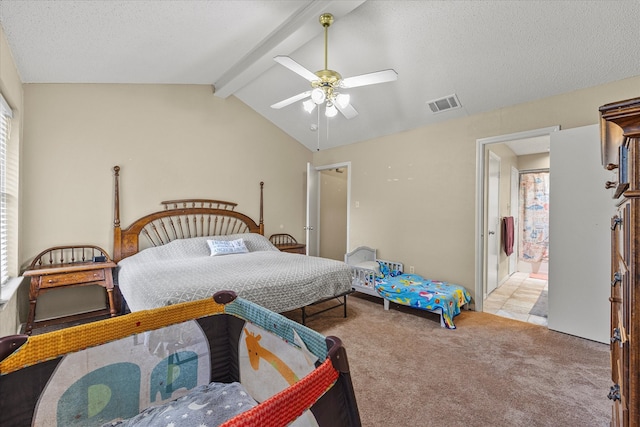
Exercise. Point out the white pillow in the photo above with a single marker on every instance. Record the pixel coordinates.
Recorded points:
(225, 247)
(369, 265)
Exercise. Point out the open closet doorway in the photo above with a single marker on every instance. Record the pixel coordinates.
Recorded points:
(516, 294)
(328, 196)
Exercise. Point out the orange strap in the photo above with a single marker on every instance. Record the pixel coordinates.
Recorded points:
(285, 407)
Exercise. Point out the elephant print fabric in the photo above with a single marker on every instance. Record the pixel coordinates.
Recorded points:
(142, 370)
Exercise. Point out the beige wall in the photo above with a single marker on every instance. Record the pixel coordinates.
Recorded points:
(533, 161)
(171, 142)
(416, 189)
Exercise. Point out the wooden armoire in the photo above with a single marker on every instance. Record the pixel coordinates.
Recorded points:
(620, 129)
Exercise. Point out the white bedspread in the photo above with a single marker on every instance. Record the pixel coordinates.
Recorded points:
(183, 270)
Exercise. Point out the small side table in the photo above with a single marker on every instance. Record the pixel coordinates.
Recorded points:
(65, 267)
(287, 243)
(294, 248)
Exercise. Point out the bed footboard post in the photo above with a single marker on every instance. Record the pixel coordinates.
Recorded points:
(117, 236)
(261, 223)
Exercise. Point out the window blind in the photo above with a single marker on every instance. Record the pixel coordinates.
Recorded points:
(6, 195)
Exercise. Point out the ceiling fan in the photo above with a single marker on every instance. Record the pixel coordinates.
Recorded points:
(326, 83)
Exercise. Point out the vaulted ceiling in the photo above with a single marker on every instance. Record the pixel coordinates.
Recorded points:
(490, 54)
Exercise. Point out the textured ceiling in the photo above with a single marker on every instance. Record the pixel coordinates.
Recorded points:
(491, 54)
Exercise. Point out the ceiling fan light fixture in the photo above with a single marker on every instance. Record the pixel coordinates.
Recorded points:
(318, 96)
(325, 83)
(309, 106)
(330, 110)
(343, 100)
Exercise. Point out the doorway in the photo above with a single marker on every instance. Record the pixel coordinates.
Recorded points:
(523, 291)
(333, 213)
(483, 236)
(579, 251)
(328, 203)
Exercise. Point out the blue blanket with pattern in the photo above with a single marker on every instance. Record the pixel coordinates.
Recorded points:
(432, 295)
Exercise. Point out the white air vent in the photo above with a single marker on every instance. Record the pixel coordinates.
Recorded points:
(443, 104)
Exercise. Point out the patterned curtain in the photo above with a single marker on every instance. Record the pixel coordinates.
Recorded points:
(534, 197)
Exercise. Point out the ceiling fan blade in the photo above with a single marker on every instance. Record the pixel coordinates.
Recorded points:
(370, 78)
(349, 112)
(295, 67)
(291, 100)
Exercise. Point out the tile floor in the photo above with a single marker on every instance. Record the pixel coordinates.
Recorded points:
(515, 298)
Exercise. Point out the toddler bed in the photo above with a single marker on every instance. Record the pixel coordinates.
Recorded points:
(365, 266)
(385, 279)
(221, 361)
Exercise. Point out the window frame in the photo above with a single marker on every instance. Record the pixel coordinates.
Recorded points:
(6, 114)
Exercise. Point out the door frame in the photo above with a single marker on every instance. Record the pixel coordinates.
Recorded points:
(491, 188)
(316, 227)
(480, 205)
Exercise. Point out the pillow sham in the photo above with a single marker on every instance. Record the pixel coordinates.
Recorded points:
(253, 241)
(226, 247)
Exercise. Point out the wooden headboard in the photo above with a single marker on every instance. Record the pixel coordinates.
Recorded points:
(180, 219)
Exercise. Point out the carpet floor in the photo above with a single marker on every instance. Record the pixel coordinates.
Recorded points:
(490, 371)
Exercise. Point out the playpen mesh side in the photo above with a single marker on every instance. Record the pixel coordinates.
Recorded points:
(58, 343)
(289, 404)
(279, 410)
(286, 406)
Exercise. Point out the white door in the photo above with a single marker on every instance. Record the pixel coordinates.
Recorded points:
(313, 195)
(580, 244)
(515, 213)
(493, 222)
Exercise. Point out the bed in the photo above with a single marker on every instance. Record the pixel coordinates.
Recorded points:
(220, 361)
(192, 248)
(386, 279)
